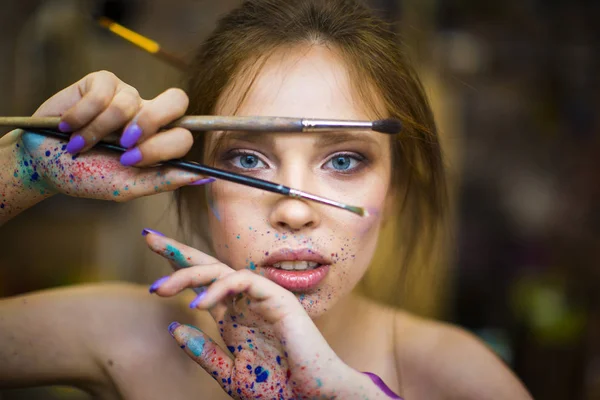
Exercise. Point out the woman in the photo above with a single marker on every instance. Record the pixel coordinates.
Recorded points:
(282, 321)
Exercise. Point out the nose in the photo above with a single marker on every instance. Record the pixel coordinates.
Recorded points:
(294, 215)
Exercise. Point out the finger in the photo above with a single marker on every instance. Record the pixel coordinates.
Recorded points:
(205, 352)
(154, 114)
(192, 277)
(180, 254)
(97, 91)
(150, 181)
(121, 109)
(262, 295)
(167, 145)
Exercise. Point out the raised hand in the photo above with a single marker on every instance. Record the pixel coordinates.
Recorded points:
(91, 109)
(274, 350)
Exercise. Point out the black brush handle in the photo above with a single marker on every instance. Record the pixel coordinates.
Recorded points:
(187, 165)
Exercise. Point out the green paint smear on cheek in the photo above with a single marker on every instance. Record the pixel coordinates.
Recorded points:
(196, 345)
(173, 253)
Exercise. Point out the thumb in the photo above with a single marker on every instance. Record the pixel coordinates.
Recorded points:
(205, 352)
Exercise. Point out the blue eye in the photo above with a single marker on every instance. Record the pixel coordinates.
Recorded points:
(247, 161)
(343, 162)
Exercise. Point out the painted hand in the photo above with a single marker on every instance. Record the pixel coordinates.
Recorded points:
(92, 108)
(274, 348)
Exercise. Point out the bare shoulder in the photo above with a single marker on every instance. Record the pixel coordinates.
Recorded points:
(441, 361)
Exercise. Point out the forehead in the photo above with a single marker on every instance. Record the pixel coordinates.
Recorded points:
(308, 81)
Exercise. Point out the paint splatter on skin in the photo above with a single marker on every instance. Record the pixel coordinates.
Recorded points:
(39, 167)
(263, 369)
(175, 255)
(196, 345)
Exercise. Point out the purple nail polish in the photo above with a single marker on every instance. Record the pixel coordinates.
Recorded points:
(75, 145)
(172, 327)
(131, 135)
(154, 287)
(131, 157)
(202, 182)
(146, 231)
(381, 384)
(198, 299)
(64, 127)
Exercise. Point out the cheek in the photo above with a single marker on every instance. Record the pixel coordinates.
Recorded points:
(234, 219)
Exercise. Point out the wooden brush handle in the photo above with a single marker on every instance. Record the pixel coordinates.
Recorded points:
(30, 122)
(221, 123)
(191, 122)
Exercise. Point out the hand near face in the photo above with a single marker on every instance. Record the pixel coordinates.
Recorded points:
(91, 109)
(274, 348)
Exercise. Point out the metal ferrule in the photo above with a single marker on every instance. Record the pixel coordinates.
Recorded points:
(303, 195)
(323, 125)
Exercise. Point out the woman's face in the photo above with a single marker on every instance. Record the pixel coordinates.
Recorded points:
(316, 251)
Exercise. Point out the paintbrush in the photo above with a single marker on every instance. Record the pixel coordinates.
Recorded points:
(222, 174)
(225, 123)
(142, 42)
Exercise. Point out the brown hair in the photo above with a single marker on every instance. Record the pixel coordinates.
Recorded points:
(373, 57)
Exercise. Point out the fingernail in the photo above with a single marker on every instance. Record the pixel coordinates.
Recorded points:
(75, 145)
(64, 127)
(202, 182)
(172, 327)
(146, 231)
(154, 287)
(131, 135)
(131, 157)
(198, 299)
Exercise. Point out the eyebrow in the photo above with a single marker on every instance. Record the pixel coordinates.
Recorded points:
(324, 139)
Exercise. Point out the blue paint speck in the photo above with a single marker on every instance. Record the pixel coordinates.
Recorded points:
(278, 360)
(231, 348)
(319, 383)
(34, 177)
(261, 374)
(249, 367)
(47, 153)
(116, 193)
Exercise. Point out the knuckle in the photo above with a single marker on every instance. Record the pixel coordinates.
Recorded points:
(99, 101)
(124, 106)
(105, 74)
(133, 91)
(150, 119)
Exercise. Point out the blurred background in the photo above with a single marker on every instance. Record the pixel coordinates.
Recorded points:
(515, 86)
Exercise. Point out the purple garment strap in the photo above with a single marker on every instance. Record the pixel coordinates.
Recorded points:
(379, 382)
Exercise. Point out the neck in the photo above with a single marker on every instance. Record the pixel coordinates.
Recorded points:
(338, 318)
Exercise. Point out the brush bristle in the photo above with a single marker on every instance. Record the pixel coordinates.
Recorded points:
(358, 210)
(389, 126)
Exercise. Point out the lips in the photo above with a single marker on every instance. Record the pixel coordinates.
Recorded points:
(293, 279)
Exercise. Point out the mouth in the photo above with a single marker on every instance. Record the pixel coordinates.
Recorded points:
(297, 270)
